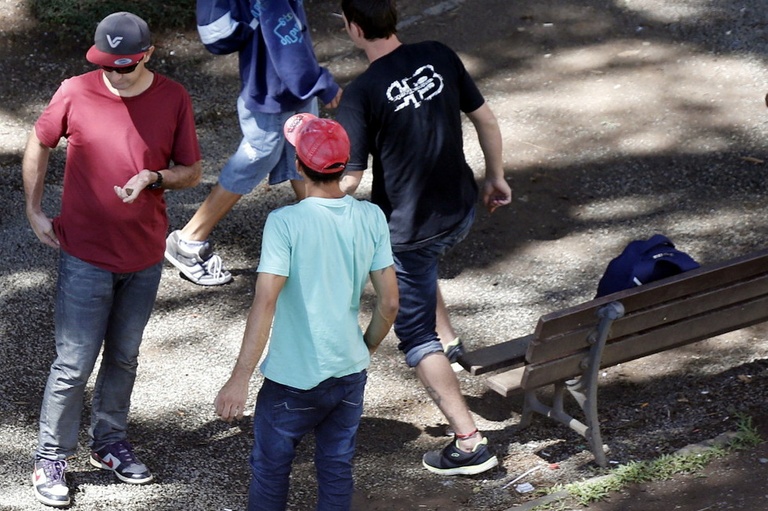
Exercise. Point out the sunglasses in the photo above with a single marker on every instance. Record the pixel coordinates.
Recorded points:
(121, 70)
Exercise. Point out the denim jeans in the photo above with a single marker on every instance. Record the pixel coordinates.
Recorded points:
(94, 308)
(263, 150)
(283, 416)
(417, 282)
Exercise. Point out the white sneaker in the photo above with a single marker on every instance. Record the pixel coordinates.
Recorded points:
(120, 459)
(201, 266)
(50, 483)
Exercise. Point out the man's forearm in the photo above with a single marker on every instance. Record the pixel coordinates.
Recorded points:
(350, 181)
(182, 176)
(387, 302)
(33, 169)
(489, 137)
(377, 329)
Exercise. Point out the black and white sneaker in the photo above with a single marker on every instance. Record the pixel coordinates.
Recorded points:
(120, 459)
(199, 265)
(453, 461)
(50, 483)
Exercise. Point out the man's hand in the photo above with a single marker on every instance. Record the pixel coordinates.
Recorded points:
(130, 190)
(336, 100)
(496, 192)
(230, 402)
(43, 229)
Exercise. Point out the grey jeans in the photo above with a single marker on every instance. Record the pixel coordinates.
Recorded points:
(94, 308)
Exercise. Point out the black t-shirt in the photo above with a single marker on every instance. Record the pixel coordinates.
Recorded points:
(405, 111)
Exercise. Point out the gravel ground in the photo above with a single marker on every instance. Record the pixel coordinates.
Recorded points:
(619, 120)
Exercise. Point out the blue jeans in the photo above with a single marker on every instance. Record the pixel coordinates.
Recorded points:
(417, 283)
(263, 150)
(94, 308)
(283, 416)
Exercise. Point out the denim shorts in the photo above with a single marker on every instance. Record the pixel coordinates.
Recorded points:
(417, 283)
(263, 150)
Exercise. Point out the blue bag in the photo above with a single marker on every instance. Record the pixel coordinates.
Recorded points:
(644, 261)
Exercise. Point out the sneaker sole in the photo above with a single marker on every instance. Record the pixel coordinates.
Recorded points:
(47, 501)
(96, 463)
(185, 271)
(464, 471)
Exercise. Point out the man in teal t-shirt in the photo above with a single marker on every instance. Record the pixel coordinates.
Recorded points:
(316, 258)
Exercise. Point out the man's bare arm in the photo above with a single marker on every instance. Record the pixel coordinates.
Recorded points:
(230, 401)
(387, 303)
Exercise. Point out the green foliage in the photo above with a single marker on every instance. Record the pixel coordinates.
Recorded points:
(636, 472)
(80, 17)
(558, 505)
(747, 435)
(663, 468)
(594, 490)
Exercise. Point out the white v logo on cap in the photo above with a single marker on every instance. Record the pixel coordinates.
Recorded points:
(114, 42)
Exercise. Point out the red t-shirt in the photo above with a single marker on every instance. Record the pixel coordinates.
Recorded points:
(110, 139)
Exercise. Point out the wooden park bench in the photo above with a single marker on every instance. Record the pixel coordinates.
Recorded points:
(570, 346)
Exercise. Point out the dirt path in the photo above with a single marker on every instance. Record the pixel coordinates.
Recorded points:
(620, 120)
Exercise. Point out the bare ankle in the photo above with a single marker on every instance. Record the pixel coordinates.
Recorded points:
(469, 441)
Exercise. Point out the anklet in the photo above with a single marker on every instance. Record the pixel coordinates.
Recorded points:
(466, 436)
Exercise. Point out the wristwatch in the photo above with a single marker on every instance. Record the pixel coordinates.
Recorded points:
(157, 184)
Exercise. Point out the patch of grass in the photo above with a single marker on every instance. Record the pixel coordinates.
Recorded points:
(660, 469)
(663, 468)
(747, 435)
(69, 18)
(559, 505)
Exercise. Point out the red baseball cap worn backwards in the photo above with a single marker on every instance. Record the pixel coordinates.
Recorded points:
(321, 144)
(121, 40)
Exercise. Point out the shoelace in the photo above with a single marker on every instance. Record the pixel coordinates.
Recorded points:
(213, 266)
(125, 453)
(55, 471)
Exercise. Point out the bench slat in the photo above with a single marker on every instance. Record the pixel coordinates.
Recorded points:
(506, 383)
(497, 356)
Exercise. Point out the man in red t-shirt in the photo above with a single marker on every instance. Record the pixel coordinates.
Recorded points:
(130, 134)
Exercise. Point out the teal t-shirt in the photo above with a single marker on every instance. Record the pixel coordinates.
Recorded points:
(326, 248)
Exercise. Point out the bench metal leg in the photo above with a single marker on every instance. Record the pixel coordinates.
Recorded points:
(583, 389)
(591, 432)
(530, 405)
(556, 411)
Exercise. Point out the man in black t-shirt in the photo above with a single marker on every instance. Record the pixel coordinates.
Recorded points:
(405, 111)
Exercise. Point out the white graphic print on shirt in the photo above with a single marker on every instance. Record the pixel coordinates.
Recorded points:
(424, 85)
(288, 28)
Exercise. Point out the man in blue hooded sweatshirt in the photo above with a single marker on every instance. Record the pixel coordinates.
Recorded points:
(280, 77)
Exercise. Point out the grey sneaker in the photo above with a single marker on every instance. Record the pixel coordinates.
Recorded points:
(120, 459)
(453, 461)
(50, 483)
(202, 266)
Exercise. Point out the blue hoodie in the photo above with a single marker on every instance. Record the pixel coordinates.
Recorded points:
(278, 68)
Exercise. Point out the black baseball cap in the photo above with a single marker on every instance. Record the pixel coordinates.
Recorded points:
(121, 40)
